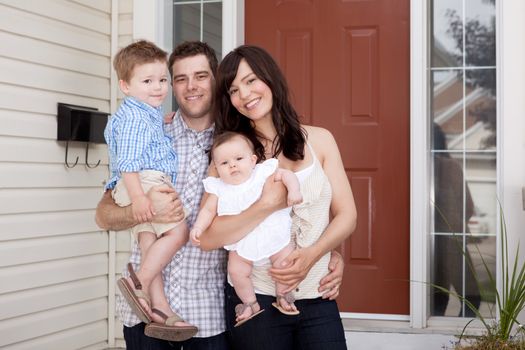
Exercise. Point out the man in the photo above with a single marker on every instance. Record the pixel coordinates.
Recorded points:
(194, 280)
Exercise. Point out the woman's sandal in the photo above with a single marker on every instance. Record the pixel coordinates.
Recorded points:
(168, 330)
(290, 299)
(240, 308)
(132, 295)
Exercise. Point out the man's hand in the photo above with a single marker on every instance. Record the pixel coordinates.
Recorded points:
(167, 204)
(329, 285)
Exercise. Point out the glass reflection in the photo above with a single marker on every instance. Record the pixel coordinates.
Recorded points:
(480, 38)
(481, 178)
(463, 130)
(212, 31)
(447, 33)
(449, 193)
(453, 209)
(482, 250)
(186, 23)
(480, 101)
(447, 107)
(452, 271)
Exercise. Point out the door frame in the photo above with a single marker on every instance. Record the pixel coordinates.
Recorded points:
(148, 23)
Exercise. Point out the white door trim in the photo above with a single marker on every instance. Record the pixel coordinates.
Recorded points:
(511, 124)
(232, 25)
(419, 174)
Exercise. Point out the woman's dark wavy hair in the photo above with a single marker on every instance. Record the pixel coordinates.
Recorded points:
(291, 137)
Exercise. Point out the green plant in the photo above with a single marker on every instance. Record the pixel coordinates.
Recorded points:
(510, 300)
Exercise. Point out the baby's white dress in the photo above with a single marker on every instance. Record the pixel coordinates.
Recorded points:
(271, 235)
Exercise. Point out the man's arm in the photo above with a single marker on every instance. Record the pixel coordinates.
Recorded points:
(110, 216)
(329, 284)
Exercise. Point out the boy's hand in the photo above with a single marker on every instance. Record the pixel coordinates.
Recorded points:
(168, 117)
(195, 234)
(294, 197)
(142, 209)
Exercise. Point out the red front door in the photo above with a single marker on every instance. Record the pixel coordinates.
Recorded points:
(347, 64)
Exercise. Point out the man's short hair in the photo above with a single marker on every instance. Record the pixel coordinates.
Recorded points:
(190, 49)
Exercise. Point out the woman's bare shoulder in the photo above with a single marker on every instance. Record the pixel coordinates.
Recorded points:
(318, 137)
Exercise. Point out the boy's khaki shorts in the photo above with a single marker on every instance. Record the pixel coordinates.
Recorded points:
(148, 179)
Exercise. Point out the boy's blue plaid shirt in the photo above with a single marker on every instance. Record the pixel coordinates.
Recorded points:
(136, 141)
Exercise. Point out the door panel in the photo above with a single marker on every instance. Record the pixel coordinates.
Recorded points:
(347, 65)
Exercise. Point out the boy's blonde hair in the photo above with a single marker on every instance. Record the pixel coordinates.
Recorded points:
(140, 52)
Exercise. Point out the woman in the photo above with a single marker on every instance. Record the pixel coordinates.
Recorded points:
(252, 98)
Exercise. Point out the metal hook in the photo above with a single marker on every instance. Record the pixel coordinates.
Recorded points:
(66, 163)
(87, 163)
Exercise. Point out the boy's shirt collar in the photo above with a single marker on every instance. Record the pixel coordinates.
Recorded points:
(134, 102)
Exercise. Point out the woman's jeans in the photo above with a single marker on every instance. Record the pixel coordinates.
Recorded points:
(317, 327)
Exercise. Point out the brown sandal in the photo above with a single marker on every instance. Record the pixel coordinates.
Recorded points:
(239, 309)
(132, 295)
(290, 299)
(168, 330)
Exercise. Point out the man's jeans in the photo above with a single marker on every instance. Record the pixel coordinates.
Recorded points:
(137, 340)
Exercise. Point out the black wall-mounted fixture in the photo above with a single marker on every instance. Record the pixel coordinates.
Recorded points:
(78, 123)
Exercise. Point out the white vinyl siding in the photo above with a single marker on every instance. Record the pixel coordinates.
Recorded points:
(121, 241)
(54, 260)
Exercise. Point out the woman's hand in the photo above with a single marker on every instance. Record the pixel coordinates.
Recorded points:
(295, 268)
(168, 206)
(329, 285)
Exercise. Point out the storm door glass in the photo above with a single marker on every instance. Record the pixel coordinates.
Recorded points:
(198, 20)
(463, 155)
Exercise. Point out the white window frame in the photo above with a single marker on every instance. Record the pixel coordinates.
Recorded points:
(511, 90)
(149, 22)
(510, 55)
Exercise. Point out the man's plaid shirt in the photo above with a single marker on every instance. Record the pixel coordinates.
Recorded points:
(194, 280)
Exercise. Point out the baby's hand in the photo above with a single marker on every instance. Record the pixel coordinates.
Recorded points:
(294, 197)
(142, 209)
(195, 234)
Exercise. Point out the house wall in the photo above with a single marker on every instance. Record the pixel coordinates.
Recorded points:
(54, 260)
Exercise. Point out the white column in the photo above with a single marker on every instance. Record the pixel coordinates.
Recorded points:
(419, 177)
(232, 25)
(148, 20)
(511, 112)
